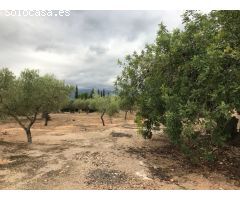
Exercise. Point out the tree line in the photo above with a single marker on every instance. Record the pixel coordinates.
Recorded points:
(109, 105)
(86, 95)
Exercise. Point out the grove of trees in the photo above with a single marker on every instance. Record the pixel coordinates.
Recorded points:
(188, 80)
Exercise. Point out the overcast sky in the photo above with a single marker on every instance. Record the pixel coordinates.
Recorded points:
(83, 48)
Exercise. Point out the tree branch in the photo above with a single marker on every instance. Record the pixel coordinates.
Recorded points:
(33, 119)
(18, 120)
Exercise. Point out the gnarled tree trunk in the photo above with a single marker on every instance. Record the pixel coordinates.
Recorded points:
(102, 118)
(26, 128)
(29, 135)
(46, 117)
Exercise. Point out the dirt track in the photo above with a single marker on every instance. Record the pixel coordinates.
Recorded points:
(76, 152)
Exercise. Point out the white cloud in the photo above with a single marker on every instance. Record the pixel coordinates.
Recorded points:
(82, 49)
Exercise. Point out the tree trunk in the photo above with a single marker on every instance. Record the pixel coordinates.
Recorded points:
(125, 115)
(111, 120)
(27, 128)
(46, 121)
(102, 118)
(29, 135)
(46, 117)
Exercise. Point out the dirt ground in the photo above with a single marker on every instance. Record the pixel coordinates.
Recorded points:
(76, 152)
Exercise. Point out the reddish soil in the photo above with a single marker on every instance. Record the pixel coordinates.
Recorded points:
(76, 152)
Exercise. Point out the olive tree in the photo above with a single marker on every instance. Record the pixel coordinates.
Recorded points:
(82, 105)
(101, 105)
(127, 96)
(56, 95)
(24, 97)
(104, 105)
(113, 106)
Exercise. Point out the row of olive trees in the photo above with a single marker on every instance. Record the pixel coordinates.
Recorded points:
(24, 97)
(188, 78)
(104, 105)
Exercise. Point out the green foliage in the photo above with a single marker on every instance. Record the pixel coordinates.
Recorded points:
(100, 103)
(55, 92)
(70, 106)
(76, 92)
(84, 95)
(173, 126)
(29, 95)
(113, 106)
(80, 104)
(7, 82)
(125, 85)
(185, 77)
(105, 105)
(85, 105)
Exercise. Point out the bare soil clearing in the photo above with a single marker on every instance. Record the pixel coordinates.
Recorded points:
(76, 152)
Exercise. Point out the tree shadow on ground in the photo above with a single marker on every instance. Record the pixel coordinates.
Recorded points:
(120, 134)
(227, 164)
